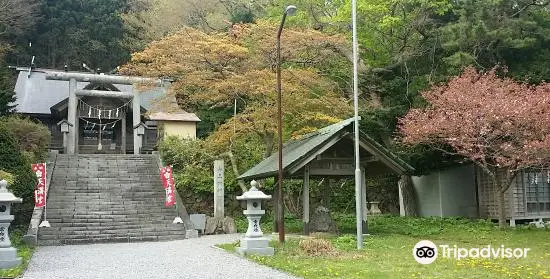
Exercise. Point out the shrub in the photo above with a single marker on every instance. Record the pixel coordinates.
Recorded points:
(4, 175)
(13, 161)
(33, 138)
(317, 247)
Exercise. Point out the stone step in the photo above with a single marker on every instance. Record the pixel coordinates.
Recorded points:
(97, 198)
(108, 220)
(57, 228)
(179, 234)
(77, 241)
(114, 216)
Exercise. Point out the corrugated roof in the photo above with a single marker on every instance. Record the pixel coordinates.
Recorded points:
(295, 152)
(36, 95)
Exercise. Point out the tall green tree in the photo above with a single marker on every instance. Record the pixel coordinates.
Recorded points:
(7, 96)
(75, 32)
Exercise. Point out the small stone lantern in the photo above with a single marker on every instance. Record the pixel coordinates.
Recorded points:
(8, 254)
(254, 241)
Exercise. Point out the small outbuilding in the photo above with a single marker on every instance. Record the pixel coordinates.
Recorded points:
(329, 152)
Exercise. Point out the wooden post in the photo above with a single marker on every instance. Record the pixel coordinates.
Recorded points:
(275, 210)
(65, 143)
(72, 117)
(364, 199)
(305, 196)
(123, 132)
(136, 118)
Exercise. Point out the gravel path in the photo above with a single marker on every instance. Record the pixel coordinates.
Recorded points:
(191, 258)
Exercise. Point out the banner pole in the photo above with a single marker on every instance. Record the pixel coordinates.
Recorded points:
(45, 223)
(178, 219)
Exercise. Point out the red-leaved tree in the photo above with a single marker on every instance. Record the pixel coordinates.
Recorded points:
(499, 124)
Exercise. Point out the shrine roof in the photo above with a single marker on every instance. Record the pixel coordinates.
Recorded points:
(36, 95)
(297, 153)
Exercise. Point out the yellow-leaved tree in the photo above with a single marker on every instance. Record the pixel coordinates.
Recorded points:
(214, 70)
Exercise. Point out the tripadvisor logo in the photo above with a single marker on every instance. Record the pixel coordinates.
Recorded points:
(426, 252)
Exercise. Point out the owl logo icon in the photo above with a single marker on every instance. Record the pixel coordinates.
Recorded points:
(425, 252)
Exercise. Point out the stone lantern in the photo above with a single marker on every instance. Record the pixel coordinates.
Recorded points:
(254, 241)
(8, 254)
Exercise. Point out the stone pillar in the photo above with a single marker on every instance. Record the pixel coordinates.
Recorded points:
(219, 188)
(123, 133)
(136, 119)
(72, 118)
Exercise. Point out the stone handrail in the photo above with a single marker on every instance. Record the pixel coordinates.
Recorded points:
(31, 237)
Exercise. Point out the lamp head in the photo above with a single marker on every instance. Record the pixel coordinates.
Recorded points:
(290, 10)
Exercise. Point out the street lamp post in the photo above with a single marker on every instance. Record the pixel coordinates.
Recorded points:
(290, 10)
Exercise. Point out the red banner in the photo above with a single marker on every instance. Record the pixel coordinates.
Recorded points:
(40, 192)
(39, 199)
(168, 185)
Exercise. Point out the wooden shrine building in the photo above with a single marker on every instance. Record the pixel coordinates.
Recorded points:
(99, 113)
(328, 152)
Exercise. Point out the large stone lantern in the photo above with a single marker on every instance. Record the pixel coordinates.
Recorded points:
(8, 254)
(254, 241)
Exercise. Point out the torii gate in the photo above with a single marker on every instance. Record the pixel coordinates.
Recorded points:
(72, 117)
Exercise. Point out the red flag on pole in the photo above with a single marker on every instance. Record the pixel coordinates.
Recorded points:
(40, 193)
(168, 185)
(39, 199)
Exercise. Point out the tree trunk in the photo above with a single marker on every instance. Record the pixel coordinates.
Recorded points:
(269, 144)
(407, 193)
(236, 170)
(503, 182)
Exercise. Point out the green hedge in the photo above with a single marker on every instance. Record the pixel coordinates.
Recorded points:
(14, 162)
(33, 137)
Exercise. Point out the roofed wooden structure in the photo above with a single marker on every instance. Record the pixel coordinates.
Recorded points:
(328, 152)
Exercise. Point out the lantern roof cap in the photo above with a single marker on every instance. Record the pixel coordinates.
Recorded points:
(253, 193)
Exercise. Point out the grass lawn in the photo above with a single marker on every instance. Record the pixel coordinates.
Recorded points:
(388, 251)
(24, 251)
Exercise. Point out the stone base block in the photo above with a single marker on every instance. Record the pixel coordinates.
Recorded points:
(191, 234)
(267, 251)
(8, 258)
(255, 246)
(252, 243)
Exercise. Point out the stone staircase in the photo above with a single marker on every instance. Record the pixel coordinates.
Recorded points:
(107, 198)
